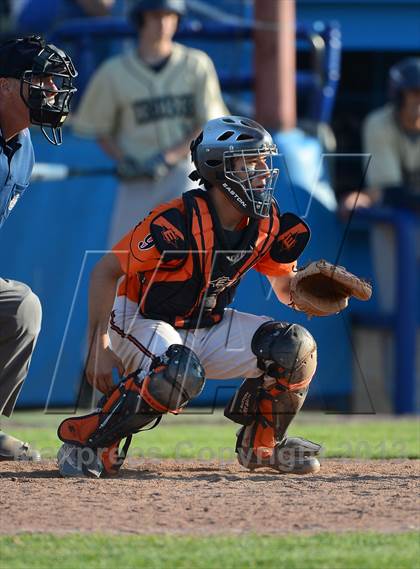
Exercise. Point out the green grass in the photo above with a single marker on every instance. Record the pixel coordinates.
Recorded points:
(324, 551)
(207, 436)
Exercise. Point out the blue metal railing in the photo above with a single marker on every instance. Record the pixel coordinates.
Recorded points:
(403, 321)
(320, 83)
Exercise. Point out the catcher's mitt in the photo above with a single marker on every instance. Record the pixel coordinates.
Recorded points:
(321, 289)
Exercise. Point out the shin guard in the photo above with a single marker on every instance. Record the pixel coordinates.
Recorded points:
(175, 378)
(264, 442)
(267, 405)
(119, 416)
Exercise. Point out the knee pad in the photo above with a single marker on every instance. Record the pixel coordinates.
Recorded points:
(287, 353)
(175, 379)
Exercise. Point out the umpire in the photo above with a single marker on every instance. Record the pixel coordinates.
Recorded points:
(36, 85)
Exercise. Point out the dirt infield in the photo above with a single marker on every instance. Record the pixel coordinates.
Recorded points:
(192, 497)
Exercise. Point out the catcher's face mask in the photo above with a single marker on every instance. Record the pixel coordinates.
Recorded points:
(47, 89)
(251, 179)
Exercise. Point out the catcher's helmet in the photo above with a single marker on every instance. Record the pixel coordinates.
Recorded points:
(136, 13)
(403, 76)
(215, 153)
(30, 59)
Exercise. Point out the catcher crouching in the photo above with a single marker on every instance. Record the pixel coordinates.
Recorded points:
(168, 325)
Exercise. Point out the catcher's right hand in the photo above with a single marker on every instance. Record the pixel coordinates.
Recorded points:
(322, 289)
(99, 368)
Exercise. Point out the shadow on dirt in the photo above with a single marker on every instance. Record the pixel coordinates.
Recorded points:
(27, 476)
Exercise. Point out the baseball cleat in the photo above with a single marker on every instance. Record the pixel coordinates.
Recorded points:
(290, 456)
(14, 449)
(78, 462)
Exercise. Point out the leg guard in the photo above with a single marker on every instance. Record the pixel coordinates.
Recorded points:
(92, 442)
(267, 405)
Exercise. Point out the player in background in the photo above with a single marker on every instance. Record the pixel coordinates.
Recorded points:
(391, 137)
(36, 85)
(145, 106)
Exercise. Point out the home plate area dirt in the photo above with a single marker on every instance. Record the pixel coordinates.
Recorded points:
(193, 497)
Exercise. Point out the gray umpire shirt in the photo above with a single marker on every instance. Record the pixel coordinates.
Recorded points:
(16, 163)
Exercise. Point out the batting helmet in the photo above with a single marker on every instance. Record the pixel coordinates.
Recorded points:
(136, 13)
(30, 59)
(403, 76)
(215, 154)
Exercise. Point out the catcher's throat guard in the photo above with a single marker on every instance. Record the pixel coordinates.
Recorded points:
(92, 441)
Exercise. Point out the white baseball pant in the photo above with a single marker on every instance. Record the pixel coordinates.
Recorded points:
(224, 349)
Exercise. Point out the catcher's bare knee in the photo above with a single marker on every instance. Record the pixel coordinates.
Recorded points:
(286, 352)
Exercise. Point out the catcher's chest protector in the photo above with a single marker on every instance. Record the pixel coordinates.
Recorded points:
(195, 293)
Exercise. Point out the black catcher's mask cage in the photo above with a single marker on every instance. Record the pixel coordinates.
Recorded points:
(236, 154)
(239, 171)
(49, 107)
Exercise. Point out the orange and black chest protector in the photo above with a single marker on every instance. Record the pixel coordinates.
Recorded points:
(200, 266)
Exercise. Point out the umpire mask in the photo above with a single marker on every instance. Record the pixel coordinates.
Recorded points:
(46, 76)
(49, 107)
